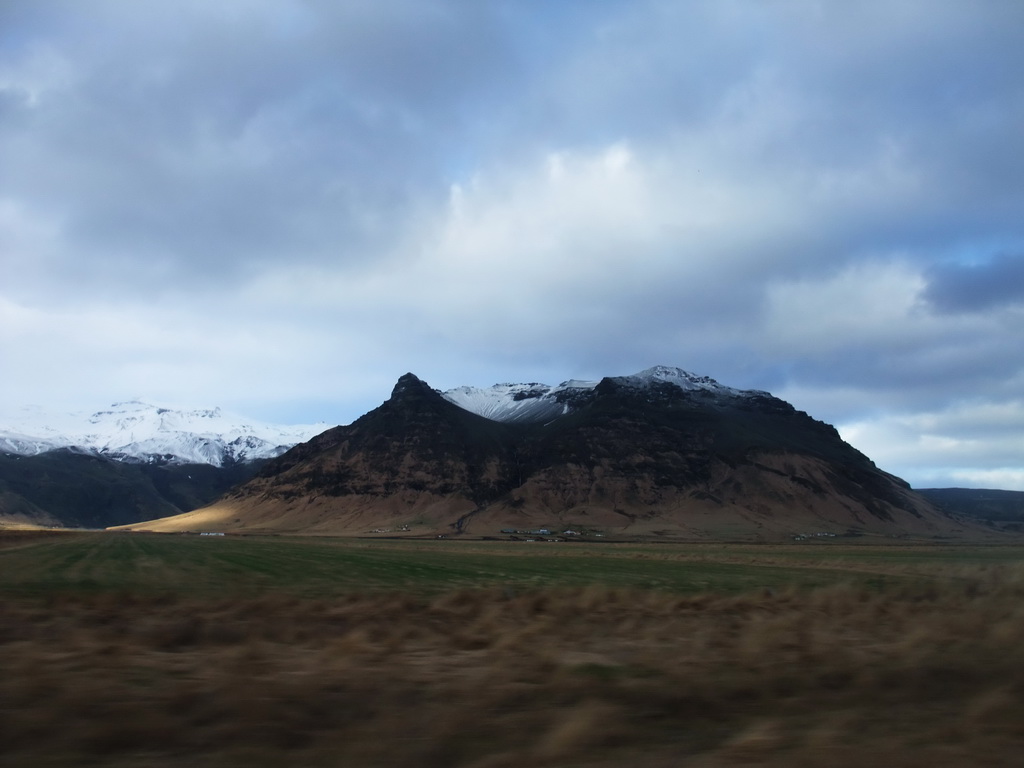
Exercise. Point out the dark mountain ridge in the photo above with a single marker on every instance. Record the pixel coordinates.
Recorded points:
(999, 508)
(81, 489)
(625, 457)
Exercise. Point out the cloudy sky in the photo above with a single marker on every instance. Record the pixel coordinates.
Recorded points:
(280, 206)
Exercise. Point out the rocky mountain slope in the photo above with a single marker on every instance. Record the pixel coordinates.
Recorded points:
(72, 489)
(662, 453)
(999, 509)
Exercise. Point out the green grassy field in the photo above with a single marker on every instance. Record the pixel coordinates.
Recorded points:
(205, 565)
(154, 651)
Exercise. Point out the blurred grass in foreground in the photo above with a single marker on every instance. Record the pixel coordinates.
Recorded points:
(127, 650)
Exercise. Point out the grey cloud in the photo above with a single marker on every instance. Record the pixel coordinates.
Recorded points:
(189, 145)
(955, 287)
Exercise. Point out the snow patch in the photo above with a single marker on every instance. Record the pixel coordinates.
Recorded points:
(138, 431)
(522, 403)
(684, 380)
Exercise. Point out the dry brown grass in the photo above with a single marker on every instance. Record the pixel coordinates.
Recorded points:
(929, 676)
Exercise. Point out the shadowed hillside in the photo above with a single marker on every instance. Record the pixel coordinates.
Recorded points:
(1002, 509)
(83, 490)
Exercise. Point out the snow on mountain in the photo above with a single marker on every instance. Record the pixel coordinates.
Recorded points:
(684, 380)
(142, 432)
(519, 402)
(541, 402)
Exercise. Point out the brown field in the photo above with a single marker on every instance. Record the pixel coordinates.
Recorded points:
(926, 669)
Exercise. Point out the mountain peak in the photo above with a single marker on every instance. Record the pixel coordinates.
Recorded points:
(409, 384)
(673, 375)
(684, 380)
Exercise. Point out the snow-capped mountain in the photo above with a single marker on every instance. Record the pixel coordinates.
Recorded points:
(137, 431)
(522, 403)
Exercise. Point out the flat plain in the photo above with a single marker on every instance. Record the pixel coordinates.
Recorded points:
(159, 650)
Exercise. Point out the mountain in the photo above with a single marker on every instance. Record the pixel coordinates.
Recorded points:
(139, 432)
(73, 489)
(130, 462)
(1000, 509)
(662, 453)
